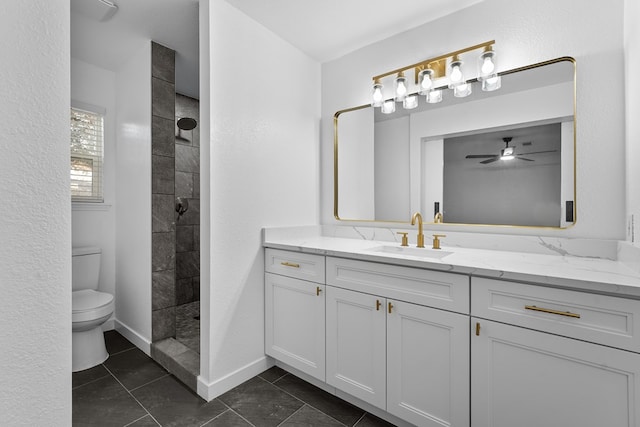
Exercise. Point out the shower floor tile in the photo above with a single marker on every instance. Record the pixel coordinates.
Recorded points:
(188, 325)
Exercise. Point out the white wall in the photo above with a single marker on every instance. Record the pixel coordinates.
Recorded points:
(35, 231)
(94, 224)
(632, 91)
(133, 198)
(525, 33)
(263, 160)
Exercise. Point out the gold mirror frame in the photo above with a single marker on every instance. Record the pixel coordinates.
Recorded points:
(504, 73)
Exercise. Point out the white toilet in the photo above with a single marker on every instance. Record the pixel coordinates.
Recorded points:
(90, 310)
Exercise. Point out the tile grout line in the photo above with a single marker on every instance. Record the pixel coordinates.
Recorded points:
(311, 406)
(168, 374)
(132, 396)
(92, 381)
(135, 421)
(295, 412)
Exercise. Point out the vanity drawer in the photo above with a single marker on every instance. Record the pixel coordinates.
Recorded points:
(447, 291)
(295, 264)
(601, 319)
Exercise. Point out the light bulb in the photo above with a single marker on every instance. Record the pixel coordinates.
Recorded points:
(401, 88)
(425, 77)
(376, 95)
(456, 74)
(487, 65)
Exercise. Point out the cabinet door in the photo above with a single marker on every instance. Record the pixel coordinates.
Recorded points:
(294, 330)
(356, 359)
(528, 378)
(427, 365)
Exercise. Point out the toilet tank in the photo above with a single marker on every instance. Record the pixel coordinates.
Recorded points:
(85, 268)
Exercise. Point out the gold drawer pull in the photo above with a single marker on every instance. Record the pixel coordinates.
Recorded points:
(390, 307)
(290, 264)
(318, 290)
(378, 304)
(477, 329)
(548, 310)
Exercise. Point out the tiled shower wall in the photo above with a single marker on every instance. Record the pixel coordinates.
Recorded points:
(187, 185)
(163, 241)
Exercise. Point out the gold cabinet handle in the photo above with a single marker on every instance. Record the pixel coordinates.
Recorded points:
(318, 290)
(378, 304)
(390, 306)
(477, 329)
(290, 264)
(548, 310)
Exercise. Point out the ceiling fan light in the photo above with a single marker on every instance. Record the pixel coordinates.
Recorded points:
(507, 154)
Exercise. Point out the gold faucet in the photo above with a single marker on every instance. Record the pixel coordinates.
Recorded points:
(418, 217)
(438, 219)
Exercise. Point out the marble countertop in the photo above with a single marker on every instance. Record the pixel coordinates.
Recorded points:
(586, 273)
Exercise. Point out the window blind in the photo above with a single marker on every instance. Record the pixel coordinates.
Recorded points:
(87, 136)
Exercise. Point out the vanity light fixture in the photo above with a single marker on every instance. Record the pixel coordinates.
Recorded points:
(429, 76)
(377, 99)
(401, 87)
(487, 73)
(388, 106)
(410, 102)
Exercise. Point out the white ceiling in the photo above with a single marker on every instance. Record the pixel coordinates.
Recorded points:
(324, 29)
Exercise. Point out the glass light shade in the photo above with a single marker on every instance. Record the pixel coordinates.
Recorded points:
(425, 81)
(410, 102)
(456, 76)
(434, 96)
(388, 106)
(461, 90)
(491, 84)
(401, 88)
(377, 97)
(487, 66)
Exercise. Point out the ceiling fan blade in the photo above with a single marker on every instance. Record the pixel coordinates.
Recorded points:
(540, 152)
(522, 158)
(494, 159)
(479, 156)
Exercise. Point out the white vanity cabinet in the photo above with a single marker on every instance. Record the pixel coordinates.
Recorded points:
(552, 357)
(295, 310)
(409, 359)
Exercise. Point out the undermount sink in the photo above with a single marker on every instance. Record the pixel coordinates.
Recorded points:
(409, 251)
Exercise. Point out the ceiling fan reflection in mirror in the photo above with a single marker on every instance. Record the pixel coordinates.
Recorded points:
(507, 153)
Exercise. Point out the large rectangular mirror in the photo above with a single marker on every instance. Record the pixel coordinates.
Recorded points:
(505, 157)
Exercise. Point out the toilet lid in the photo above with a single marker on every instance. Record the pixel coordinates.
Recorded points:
(88, 299)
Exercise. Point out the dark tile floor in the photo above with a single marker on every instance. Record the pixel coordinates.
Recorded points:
(130, 389)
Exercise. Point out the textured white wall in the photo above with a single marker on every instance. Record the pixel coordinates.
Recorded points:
(90, 226)
(263, 156)
(133, 197)
(632, 91)
(525, 33)
(35, 231)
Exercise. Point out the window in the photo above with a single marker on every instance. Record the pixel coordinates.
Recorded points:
(87, 137)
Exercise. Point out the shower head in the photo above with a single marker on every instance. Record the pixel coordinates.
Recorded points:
(187, 123)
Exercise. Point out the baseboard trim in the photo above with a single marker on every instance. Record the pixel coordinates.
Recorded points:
(211, 390)
(138, 340)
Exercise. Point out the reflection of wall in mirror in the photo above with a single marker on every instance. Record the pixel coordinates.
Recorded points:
(391, 171)
(508, 192)
(542, 105)
(356, 166)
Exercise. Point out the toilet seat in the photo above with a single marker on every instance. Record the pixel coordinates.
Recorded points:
(88, 305)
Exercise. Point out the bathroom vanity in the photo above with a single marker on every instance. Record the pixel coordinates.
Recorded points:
(456, 337)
